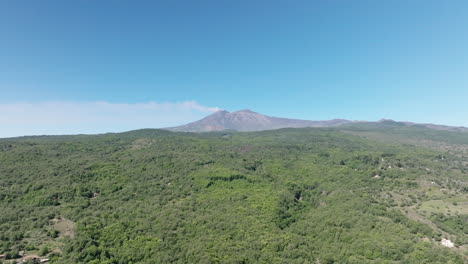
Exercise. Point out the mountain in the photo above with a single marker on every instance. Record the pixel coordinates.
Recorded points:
(248, 120)
(386, 123)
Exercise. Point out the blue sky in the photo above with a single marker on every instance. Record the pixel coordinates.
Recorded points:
(173, 61)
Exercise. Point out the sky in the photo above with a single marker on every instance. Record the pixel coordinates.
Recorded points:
(69, 67)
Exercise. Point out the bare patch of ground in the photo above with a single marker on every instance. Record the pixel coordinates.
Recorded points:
(446, 207)
(142, 143)
(64, 226)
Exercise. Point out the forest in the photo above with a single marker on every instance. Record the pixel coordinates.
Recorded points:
(360, 193)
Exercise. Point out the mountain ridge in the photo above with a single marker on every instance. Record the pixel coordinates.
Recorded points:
(248, 120)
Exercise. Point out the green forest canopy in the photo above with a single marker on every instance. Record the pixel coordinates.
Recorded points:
(356, 194)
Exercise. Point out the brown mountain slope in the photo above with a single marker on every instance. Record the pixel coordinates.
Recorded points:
(247, 120)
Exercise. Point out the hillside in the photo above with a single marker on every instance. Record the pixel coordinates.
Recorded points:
(248, 120)
(358, 193)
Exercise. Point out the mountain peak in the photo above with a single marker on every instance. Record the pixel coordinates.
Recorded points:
(246, 111)
(248, 120)
(218, 113)
(386, 120)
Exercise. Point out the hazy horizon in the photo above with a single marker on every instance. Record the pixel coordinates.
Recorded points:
(114, 114)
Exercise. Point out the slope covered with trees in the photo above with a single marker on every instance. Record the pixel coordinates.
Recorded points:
(354, 194)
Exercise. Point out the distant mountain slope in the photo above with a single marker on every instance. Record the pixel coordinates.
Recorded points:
(247, 120)
(388, 123)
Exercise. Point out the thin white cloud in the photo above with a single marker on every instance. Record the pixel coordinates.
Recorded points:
(51, 118)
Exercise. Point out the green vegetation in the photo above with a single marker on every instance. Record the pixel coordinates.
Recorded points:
(344, 195)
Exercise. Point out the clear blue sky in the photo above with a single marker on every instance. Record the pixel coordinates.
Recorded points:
(360, 60)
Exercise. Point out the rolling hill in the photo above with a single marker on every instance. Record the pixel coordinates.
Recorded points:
(358, 193)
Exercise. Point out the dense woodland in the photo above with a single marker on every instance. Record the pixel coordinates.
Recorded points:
(359, 194)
